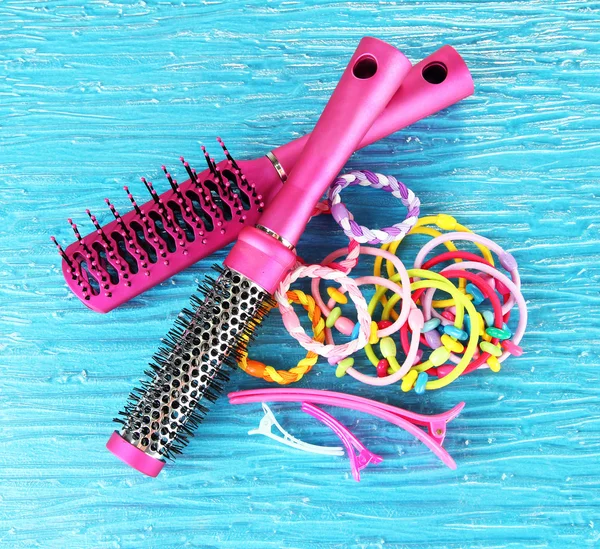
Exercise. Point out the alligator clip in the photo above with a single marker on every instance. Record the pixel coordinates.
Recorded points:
(269, 421)
(357, 462)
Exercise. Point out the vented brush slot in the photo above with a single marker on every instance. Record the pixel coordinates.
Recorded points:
(142, 242)
(83, 268)
(244, 198)
(196, 205)
(162, 232)
(124, 252)
(178, 216)
(216, 197)
(105, 264)
(141, 248)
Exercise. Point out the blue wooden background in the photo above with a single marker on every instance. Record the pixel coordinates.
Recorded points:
(95, 94)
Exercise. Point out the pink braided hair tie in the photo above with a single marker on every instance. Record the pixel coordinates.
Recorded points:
(360, 233)
(292, 322)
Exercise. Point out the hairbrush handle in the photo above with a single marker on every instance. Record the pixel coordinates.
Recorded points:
(187, 370)
(264, 254)
(371, 79)
(435, 83)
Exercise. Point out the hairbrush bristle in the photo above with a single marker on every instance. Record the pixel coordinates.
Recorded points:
(162, 413)
(172, 230)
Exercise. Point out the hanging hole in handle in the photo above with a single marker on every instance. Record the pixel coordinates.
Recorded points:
(435, 73)
(365, 67)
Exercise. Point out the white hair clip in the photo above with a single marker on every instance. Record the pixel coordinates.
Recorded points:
(265, 428)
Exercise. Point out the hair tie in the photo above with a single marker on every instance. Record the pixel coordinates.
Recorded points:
(363, 234)
(292, 323)
(258, 369)
(404, 284)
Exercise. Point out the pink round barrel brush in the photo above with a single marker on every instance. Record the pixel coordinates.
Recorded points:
(192, 219)
(162, 414)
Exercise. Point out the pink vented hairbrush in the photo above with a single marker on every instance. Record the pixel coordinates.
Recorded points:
(163, 412)
(193, 219)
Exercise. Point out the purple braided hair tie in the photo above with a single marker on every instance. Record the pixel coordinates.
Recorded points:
(360, 233)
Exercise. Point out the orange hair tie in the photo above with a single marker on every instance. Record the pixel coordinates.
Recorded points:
(256, 368)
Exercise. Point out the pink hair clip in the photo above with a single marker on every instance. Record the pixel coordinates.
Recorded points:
(357, 462)
(433, 437)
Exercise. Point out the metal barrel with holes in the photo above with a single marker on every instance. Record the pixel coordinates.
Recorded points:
(162, 413)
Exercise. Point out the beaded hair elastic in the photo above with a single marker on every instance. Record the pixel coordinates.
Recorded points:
(450, 327)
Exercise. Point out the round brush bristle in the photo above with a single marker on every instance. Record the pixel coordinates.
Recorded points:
(187, 370)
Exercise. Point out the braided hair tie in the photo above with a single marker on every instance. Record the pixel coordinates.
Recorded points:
(258, 369)
(360, 233)
(292, 322)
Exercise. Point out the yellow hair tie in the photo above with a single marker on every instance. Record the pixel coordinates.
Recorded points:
(256, 368)
(446, 223)
(435, 280)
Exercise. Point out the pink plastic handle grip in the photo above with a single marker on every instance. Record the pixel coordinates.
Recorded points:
(371, 79)
(420, 96)
(435, 83)
(133, 456)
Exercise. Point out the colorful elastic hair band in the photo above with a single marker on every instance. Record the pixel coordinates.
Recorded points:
(453, 272)
(506, 259)
(387, 310)
(351, 443)
(515, 293)
(292, 323)
(436, 281)
(363, 234)
(508, 262)
(396, 416)
(447, 223)
(510, 292)
(258, 369)
(444, 222)
(269, 421)
(394, 371)
(403, 279)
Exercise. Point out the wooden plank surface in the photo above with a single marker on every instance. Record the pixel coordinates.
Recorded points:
(95, 94)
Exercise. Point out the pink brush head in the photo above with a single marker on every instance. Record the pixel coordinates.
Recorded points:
(166, 234)
(193, 219)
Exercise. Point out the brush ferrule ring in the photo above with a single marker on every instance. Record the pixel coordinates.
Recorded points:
(278, 167)
(276, 236)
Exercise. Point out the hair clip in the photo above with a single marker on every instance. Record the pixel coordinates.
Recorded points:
(269, 421)
(357, 462)
(435, 425)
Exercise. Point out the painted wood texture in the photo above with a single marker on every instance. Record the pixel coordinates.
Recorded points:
(95, 94)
